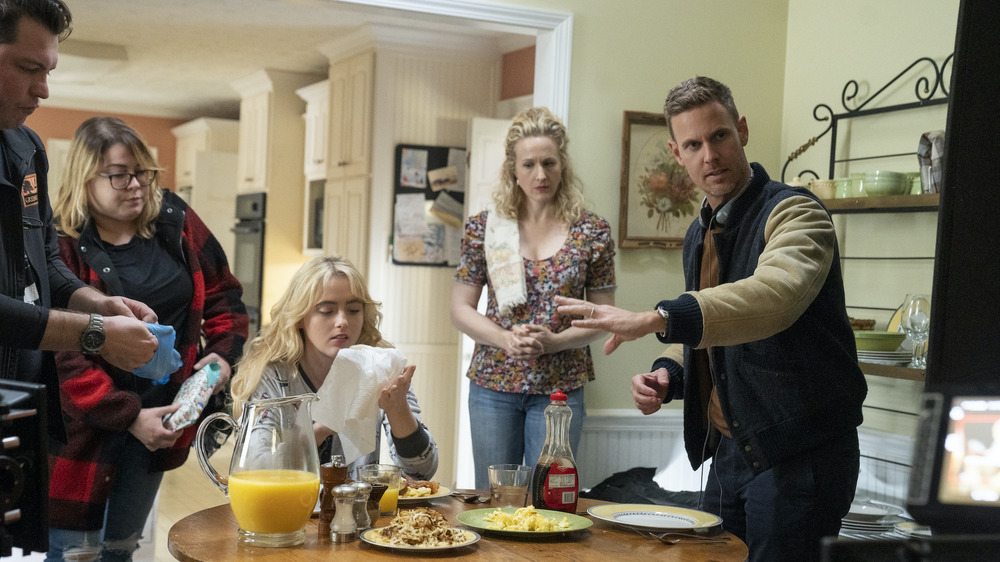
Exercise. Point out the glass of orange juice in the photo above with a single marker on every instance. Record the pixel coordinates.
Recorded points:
(388, 474)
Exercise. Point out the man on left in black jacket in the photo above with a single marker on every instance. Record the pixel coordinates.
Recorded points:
(43, 307)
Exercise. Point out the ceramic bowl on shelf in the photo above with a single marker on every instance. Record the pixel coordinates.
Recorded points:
(824, 189)
(844, 187)
(870, 340)
(884, 182)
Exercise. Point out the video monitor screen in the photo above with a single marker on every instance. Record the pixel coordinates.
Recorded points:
(971, 462)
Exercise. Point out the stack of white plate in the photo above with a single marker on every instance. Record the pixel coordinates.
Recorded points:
(870, 516)
(912, 529)
(885, 357)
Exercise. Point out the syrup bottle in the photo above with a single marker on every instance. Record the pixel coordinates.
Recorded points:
(554, 482)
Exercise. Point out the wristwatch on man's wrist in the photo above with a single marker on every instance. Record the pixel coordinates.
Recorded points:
(92, 338)
(664, 315)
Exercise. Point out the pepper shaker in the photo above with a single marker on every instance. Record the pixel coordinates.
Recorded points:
(332, 474)
(361, 517)
(344, 529)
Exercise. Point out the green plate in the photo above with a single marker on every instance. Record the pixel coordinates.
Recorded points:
(868, 340)
(475, 518)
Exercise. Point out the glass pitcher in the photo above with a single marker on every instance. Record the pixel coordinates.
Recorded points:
(273, 477)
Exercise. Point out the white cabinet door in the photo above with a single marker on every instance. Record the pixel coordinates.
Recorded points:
(346, 231)
(204, 134)
(253, 153)
(351, 115)
(317, 122)
(214, 196)
(187, 147)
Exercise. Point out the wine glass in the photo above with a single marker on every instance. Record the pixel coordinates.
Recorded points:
(916, 322)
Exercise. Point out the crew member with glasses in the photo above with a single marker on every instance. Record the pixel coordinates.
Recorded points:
(122, 234)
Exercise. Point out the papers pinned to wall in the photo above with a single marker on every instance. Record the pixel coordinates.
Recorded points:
(428, 205)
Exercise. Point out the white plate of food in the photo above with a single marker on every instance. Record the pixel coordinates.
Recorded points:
(419, 530)
(412, 495)
(654, 517)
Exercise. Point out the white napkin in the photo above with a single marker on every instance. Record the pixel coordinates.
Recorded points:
(348, 398)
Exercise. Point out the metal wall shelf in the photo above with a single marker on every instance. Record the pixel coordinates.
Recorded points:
(893, 371)
(886, 204)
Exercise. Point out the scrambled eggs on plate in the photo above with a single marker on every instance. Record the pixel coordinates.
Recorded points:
(526, 519)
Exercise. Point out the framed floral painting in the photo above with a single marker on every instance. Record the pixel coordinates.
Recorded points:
(658, 199)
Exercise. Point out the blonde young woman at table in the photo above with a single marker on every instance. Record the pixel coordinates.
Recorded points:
(326, 308)
(536, 242)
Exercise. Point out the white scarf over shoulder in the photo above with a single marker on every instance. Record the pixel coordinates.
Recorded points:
(504, 264)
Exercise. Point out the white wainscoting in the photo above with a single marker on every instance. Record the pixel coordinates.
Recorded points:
(617, 440)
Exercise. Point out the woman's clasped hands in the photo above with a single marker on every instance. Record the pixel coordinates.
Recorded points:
(528, 341)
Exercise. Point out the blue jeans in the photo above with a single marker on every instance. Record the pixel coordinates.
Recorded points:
(509, 427)
(132, 495)
(783, 513)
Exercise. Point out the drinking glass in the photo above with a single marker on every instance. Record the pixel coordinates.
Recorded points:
(509, 484)
(388, 474)
(916, 322)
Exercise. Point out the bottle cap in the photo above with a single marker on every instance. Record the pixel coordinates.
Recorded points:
(558, 395)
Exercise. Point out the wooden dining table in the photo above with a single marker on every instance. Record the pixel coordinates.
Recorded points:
(210, 535)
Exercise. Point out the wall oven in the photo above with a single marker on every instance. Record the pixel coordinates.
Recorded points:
(248, 256)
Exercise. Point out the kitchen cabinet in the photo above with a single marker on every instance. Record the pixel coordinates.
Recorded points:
(205, 173)
(253, 142)
(346, 195)
(317, 123)
(201, 135)
(351, 115)
(346, 235)
(271, 152)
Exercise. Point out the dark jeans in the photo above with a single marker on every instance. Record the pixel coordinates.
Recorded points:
(783, 513)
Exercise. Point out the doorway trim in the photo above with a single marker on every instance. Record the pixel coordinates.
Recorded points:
(553, 30)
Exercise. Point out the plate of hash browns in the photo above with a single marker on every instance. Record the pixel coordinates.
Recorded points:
(416, 491)
(420, 529)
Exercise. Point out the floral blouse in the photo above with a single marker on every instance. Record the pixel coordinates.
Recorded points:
(584, 263)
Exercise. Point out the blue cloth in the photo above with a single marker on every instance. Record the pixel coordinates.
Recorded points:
(165, 361)
(783, 512)
(129, 503)
(509, 427)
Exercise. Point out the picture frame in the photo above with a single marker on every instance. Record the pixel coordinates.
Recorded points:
(658, 198)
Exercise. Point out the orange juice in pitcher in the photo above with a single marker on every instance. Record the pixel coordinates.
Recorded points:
(273, 501)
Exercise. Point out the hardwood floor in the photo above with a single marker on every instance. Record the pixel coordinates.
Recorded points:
(186, 490)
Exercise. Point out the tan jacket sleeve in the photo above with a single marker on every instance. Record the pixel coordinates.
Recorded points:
(798, 253)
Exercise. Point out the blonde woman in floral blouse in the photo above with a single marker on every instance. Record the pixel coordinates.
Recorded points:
(536, 241)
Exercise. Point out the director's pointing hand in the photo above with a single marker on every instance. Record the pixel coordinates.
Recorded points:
(623, 324)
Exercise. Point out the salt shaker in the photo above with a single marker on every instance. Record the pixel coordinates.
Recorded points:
(332, 474)
(344, 529)
(361, 517)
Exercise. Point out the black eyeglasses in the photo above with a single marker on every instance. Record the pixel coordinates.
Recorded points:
(123, 180)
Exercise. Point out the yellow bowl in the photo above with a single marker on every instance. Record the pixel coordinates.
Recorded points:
(868, 340)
